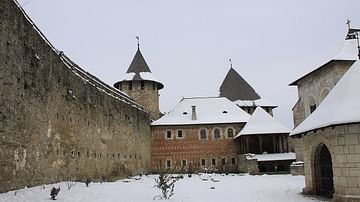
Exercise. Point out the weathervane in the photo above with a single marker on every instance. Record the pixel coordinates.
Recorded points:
(138, 41)
(230, 62)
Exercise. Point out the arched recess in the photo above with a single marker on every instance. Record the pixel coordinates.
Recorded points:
(323, 178)
(310, 104)
(323, 93)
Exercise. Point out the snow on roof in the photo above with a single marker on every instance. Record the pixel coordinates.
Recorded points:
(147, 76)
(209, 110)
(349, 50)
(276, 157)
(339, 107)
(259, 102)
(262, 123)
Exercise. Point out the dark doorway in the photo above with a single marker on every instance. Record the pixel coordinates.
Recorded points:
(323, 171)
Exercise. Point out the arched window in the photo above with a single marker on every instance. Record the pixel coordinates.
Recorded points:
(311, 104)
(203, 135)
(230, 133)
(217, 133)
(324, 92)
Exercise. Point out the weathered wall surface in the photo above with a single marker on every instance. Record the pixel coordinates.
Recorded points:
(315, 87)
(312, 89)
(193, 149)
(57, 122)
(343, 143)
(148, 96)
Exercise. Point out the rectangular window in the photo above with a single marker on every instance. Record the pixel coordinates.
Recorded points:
(213, 162)
(168, 164)
(203, 162)
(233, 161)
(223, 161)
(183, 163)
(180, 134)
(168, 134)
(130, 85)
(142, 83)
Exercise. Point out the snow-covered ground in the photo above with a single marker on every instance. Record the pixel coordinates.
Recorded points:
(229, 188)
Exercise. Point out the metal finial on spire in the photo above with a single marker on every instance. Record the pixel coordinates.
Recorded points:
(230, 62)
(348, 22)
(138, 41)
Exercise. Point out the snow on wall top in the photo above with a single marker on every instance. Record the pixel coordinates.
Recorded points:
(262, 123)
(276, 157)
(339, 107)
(259, 102)
(209, 110)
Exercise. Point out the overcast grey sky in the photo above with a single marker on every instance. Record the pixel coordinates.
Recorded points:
(187, 43)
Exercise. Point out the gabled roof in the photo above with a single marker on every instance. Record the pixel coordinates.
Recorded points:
(139, 70)
(209, 110)
(262, 123)
(234, 87)
(340, 106)
(349, 52)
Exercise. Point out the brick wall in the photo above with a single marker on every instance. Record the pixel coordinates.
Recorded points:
(193, 149)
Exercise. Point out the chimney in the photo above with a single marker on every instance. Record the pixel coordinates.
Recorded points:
(193, 113)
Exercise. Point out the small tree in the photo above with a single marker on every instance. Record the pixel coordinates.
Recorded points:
(166, 183)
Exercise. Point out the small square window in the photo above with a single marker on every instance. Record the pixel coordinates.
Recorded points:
(213, 162)
(180, 134)
(183, 163)
(168, 134)
(233, 161)
(168, 164)
(203, 162)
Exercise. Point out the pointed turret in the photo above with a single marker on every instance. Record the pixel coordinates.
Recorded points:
(141, 85)
(234, 87)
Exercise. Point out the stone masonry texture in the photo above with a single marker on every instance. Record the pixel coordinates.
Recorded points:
(343, 142)
(58, 122)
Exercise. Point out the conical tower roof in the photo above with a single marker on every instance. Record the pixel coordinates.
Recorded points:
(340, 106)
(260, 123)
(139, 70)
(138, 64)
(234, 87)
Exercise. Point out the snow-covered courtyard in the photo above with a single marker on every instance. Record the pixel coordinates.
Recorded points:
(224, 188)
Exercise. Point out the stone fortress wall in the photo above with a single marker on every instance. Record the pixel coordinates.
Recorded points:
(58, 122)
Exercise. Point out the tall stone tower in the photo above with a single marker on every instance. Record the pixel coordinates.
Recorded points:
(141, 85)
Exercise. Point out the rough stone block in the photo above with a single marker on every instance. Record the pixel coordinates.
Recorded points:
(351, 139)
(354, 172)
(353, 158)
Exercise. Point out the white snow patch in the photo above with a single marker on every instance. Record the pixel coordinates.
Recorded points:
(276, 156)
(229, 188)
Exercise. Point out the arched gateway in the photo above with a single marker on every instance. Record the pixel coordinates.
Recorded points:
(323, 171)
